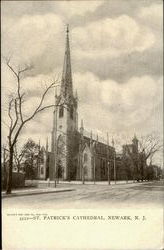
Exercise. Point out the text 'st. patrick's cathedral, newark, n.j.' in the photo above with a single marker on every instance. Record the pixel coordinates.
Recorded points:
(75, 155)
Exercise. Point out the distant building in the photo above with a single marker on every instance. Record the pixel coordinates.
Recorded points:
(134, 161)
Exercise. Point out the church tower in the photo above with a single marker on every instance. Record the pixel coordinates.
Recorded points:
(135, 145)
(65, 120)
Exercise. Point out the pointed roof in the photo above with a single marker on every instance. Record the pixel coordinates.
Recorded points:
(66, 84)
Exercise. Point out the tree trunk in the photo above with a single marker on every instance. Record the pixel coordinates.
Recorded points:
(9, 174)
(18, 167)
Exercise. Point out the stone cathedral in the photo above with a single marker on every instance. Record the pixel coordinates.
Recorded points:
(75, 156)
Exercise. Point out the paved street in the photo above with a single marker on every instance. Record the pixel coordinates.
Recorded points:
(133, 195)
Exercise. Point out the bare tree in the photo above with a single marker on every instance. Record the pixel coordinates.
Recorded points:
(148, 146)
(17, 116)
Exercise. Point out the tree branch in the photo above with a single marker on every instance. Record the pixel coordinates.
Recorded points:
(10, 67)
(39, 109)
(9, 113)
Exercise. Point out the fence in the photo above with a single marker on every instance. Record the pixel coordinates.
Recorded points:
(18, 180)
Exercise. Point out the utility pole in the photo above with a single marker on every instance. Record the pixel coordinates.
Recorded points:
(108, 172)
(108, 163)
(114, 161)
(38, 161)
(4, 159)
(81, 153)
(55, 151)
(55, 139)
(94, 169)
(80, 162)
(83, 174)
(115, 167)
(82, 165)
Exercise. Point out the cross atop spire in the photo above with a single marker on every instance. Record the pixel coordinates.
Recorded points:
(66, 84)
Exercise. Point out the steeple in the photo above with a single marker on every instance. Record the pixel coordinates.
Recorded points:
(66, 84)
(135, 144)
(65, 122)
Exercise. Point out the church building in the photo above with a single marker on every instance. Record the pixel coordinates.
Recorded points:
(74, 156)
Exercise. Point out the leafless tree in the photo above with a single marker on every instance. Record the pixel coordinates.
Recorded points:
(148, 146)
(17, 116)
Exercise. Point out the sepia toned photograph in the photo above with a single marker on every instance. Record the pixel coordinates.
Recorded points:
(82, 121)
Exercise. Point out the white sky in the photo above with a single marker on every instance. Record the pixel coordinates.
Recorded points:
(116, 52)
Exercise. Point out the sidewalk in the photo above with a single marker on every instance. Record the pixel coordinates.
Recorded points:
(42, 183)
(35, 191)
(97, 182)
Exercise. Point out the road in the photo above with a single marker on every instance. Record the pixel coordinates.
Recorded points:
(134, 195)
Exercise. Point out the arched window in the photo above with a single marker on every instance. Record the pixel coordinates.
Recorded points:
(42, 170)
(85, 157)
(61, 111)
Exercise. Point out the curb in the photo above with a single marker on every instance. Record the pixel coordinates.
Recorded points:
(35, 193)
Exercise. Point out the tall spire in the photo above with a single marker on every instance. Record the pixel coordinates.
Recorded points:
(66, 84)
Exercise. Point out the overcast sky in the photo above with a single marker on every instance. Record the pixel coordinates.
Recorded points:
(116, 52)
